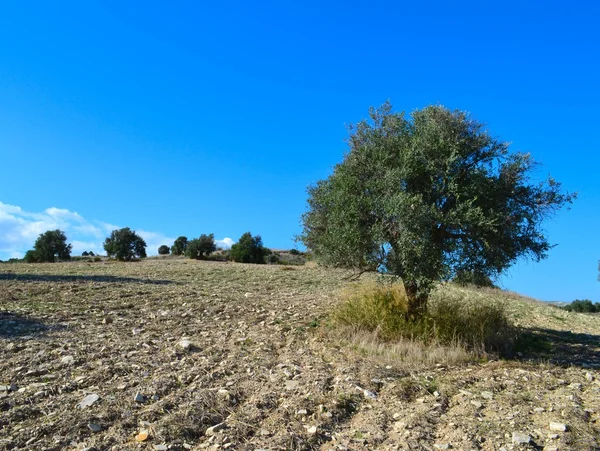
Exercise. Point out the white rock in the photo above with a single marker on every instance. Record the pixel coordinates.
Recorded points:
(302, 412)
(558, 427)
(88, 400)
(442, 445)
(216, 428)
(185, 344)
(487, 395)
(369, 394)
(67, 360)
(477, 404)
(518, 438)
(312, 430)
(291, 385)
(161, 447)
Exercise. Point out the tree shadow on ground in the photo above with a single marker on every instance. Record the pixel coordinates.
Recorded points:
(13, 325)
(560, 347)
(77, 278)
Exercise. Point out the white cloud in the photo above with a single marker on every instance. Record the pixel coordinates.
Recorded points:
(225, 243)
(19, 229)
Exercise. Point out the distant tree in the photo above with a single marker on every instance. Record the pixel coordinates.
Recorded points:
(179, 246)
(582, 306)
(91, 254)
(124, 244)
(30, 257)
(49, 246)
(164, 250)
(201, 247)
(85, 254)
(249, 249)
(473, 278)
(294, 252)
(425, 196)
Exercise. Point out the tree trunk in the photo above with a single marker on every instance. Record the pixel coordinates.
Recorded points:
(417, 301)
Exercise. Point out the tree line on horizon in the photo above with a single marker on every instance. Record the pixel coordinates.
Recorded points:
(126, 245)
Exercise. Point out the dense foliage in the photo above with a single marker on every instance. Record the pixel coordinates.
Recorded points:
(426, 197)
(201, 247)
(249, 249)
(48, 247)
(163, 250)
(582, 306)
(179, 246)
(124, 244)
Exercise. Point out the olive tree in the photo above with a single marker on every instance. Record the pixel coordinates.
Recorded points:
(179, 246)
(201, 247)
(124, 244)
(163, 250)
(49, 246)
(426, 197)
(249, 249)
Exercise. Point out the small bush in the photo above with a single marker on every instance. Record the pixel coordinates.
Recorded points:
(97, 259)
(382, 309)
(164, 250)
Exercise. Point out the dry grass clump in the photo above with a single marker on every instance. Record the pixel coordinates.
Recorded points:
(373, 316)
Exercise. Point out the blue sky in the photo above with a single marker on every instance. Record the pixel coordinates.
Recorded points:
(214, 118)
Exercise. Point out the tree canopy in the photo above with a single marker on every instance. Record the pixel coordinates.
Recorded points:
(201, 247)
(179, 246)
(49, 246)
(426, 197)
(163, 250)
(124, 244)
(249, 249)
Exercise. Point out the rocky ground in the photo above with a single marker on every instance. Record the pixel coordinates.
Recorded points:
(178, 354)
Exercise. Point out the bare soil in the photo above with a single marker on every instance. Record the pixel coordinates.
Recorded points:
(206, 355)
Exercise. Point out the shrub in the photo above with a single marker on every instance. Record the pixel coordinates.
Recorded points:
(249, 249)
(294, 252)
(91, 254)
(30, 257)
(85, 253)
(582, 306)
(164, 250)
(383, 309)
(125, 245)
(179, 246)
(97, 259)
(201, 247)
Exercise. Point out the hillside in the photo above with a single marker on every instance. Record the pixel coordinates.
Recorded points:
(181, 354)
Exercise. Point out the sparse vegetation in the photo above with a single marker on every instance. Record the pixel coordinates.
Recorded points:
(382, 309)
(266, 361)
